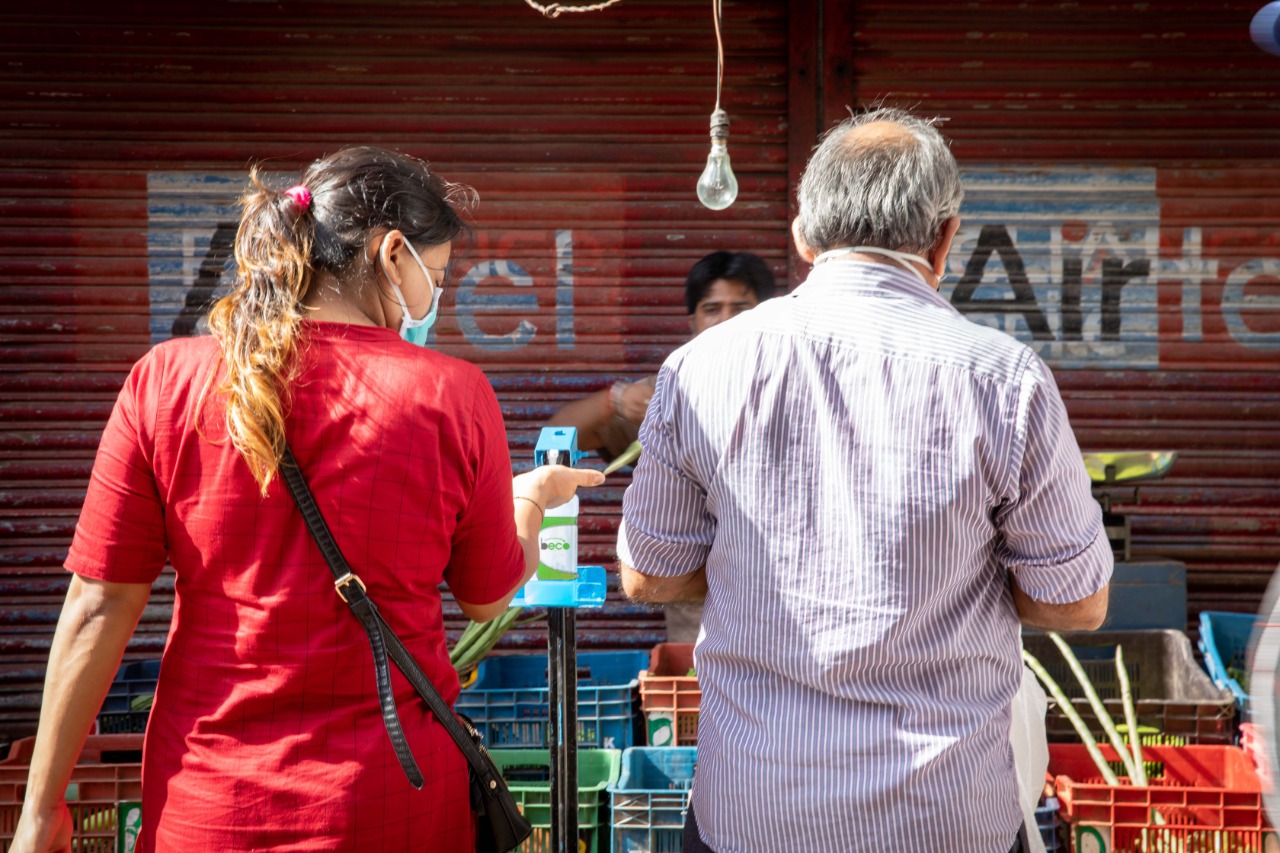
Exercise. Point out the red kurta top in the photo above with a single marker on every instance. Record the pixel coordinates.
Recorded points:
(266, 732)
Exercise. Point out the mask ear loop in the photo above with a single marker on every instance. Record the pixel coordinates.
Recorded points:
(436, 290)
(406, 319)
(907, 260)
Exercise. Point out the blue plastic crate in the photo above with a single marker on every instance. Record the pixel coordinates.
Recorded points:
(651, 798)
(509, 701)
(1047, 823)
(132, 681)
(1147, 595)
(1224, 643)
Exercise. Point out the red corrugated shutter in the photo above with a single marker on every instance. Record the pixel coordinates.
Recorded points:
(1079, 123)
(1123, 154)
(127, 129)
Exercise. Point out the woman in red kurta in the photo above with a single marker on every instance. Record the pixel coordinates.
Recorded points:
(266, 732)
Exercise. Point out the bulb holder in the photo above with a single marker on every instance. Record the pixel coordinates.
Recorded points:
(719, 125)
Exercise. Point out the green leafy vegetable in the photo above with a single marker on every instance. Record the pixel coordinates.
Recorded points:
(631, 454)
(479, 638)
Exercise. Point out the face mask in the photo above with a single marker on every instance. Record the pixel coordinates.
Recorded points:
(416, 331)
(906, 259)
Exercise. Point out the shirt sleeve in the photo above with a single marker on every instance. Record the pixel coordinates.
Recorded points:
(1054, 541)
(120, 536)
(486, 560)
(667, 529)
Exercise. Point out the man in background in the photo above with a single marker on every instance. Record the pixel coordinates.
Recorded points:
(720, 286)
(873, 494)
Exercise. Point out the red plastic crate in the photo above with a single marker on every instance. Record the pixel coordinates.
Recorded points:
(92, 795)
(1209, 798)
(667, 688)
(95, 747)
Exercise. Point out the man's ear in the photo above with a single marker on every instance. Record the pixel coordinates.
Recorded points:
(946, 234)
(802, 248)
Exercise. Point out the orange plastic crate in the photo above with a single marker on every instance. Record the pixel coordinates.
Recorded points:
(1252, 748)
(666, 688)
(92, 795)
(1209, 798)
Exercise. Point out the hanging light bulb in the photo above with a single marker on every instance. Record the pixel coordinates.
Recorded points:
(717, 188)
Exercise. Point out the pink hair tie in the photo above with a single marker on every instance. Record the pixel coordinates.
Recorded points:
(301, 197)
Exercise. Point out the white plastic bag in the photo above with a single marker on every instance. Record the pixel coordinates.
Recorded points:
(1030, 751)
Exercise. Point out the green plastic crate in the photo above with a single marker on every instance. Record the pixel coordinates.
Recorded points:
(528, 775)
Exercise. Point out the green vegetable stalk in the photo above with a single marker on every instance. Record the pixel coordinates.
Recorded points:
(1139, 776)
(1108, 725)
(631, 454)
(479, 638)
(1086, 737)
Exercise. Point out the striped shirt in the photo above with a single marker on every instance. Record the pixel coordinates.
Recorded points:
(860, 469)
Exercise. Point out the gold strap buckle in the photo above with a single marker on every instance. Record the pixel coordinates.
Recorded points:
(341, 583)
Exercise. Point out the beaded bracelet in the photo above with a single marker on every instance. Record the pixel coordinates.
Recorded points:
(541, 511)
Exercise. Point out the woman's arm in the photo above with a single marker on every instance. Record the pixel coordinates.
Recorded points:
(535, 492)
(98, 617)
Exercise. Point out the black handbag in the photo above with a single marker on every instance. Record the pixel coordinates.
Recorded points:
(500, 826)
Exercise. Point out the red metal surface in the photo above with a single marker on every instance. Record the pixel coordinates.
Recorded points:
(1177, 89)
(591, 124)
(596, 125)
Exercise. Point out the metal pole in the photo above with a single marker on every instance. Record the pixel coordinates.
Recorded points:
(562, 661)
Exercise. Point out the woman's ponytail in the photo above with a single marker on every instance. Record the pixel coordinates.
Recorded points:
(258, 324)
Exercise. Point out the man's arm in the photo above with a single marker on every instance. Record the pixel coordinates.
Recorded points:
(589, 416)
(655, 590)
(1054, 545)
(667, 530)
(594, 416)
(1087, 614)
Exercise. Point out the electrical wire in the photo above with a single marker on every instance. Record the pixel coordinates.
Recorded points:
(716, 14)
(554, 10)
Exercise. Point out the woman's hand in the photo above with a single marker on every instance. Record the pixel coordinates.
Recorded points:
(43, 832)
(545, 487)
(552, 485)
(93, 630)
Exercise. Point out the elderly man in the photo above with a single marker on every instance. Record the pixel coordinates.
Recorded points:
(872, 494)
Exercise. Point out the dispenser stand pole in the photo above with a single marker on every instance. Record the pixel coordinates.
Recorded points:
(562, 660)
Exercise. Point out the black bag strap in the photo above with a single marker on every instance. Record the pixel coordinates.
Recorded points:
(383, 641)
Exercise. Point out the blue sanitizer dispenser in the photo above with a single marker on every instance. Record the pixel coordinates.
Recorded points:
(559, 580)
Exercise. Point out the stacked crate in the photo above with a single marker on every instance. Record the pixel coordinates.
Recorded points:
(1207, 798)
(104, 793)
(509, 703)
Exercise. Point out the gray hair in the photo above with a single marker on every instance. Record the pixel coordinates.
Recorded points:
(892, 193)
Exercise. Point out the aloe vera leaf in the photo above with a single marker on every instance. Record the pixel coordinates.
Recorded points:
(1131, 720)
(1108, 725)
(1086, 737)
(467, 638)
(631, 454)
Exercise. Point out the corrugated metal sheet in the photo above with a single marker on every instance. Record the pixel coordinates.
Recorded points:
(1123, 218)
(584, 136)
(1116, 157)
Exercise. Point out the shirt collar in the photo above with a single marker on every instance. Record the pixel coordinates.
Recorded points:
(868, 277)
